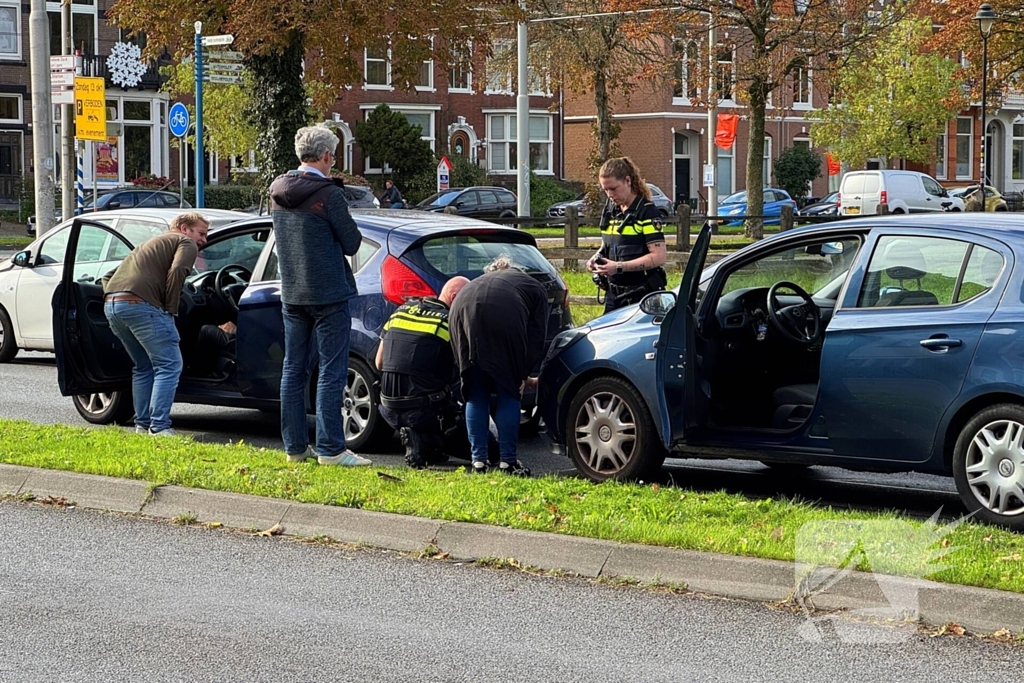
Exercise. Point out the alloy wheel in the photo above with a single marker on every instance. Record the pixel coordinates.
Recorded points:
(95, 403)
(605, 432)
(356, 405)
(994, 467)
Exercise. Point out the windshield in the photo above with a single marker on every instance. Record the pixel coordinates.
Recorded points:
(440, 198)
(738, 198)
(832, 198)
(468, 254)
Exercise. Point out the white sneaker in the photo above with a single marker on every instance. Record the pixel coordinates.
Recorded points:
(308, 454)
(165, 432)
(346, 459)
(139, 429)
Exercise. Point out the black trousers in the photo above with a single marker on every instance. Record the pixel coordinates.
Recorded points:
(421, 432)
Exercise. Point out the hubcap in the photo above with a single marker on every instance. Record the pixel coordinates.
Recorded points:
(95, 403)
(995, 467)
(356, 406)
(606, 432)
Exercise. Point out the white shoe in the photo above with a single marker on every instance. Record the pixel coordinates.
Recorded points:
(165, 432)
(308, 454)
(346, 459)
(139, 429)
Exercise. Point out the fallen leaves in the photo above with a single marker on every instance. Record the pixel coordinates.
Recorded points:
(388, 477)
(1010, 558)
(950, 629)
(275, 530)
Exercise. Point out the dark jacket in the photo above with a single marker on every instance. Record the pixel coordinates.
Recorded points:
(498, 323)
(314, 232)
(417, 351)
(392, 196)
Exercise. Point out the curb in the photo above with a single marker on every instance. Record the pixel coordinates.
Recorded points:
(979, 610)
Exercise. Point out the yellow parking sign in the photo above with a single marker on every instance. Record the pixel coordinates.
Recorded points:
(90, 109)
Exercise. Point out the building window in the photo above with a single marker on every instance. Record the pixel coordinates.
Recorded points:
(684, 81)
(502, 153)
(1018, 151)
(766, 164)
(499, 78)
(802, 86)
(964, 147)
(724, 173)
(10, 29)
(460, 76)
(417, 117)
(377, 69)
(425, 77)
(941, 153)
(83, 27)
(11, 109)
(723, 82)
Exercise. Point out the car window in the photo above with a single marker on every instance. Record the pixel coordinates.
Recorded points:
(168, 200)
(91, 243)
(769, 197)
(240, 250)
(136, 231)
(53, 248)
(812, 266)
(931, 187)
(443, 198)
(488, 198)
(149, 199)
(126, 199)
(983, 269)
(738, 198)
(469, 199)
(468, 254)
(913, 271)
(506, 197)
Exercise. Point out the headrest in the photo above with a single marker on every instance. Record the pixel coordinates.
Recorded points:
(904, 261)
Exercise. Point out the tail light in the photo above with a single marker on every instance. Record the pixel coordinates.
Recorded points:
(401, 283)
(565, 289)
(839, 201)
(885, 197)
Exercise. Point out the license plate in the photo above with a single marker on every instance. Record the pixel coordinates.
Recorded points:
(852, 210)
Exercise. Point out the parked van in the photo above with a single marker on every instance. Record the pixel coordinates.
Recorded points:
(902, 191)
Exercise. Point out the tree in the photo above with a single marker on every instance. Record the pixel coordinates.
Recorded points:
(389, 139)
(958, 33)
(795, 168)
(895, 103)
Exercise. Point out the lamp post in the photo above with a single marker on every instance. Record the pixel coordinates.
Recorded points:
(985, 17)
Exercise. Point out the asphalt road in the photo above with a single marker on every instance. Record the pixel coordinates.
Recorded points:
(89, 596)
(28, 391)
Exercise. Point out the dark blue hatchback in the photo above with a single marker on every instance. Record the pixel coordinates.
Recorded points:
(887, 344)
(404, 255)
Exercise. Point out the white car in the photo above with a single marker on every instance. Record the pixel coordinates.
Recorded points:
(28, 279)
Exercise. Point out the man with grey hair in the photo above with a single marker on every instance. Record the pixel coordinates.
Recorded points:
(314, 233)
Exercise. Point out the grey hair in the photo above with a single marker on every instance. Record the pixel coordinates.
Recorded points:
(312, 142)
(503, 262)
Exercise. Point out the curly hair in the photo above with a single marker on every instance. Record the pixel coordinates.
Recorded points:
(312, 142)
(621, 168)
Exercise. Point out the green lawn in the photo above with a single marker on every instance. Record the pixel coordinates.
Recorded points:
(712, 521)
(15, 242)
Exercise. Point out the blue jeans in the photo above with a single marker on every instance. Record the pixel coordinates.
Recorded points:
(314, 331)
(152, 340)
(477, 389)
(397, 205)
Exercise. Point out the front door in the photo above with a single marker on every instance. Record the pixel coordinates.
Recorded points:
(897, 351)
(10, 166)
(675, 350)
(682, 181)
(90, 359)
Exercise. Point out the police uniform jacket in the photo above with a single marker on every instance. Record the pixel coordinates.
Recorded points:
(417, 350)
(626, 234)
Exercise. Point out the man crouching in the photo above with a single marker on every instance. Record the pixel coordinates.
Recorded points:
(416, 363)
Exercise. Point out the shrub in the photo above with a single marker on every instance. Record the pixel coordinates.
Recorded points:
(795, 168)
(546, 191)
(465, 173)
(236, 197)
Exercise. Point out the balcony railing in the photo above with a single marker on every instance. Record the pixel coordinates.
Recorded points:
(96, 65)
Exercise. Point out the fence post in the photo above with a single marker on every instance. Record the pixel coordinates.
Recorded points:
(786, 222)
(571, 238)
(683, 227)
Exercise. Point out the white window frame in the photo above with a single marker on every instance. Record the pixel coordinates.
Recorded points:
(366, 63)
(683, 73)
(720, 49)
(20, 109)
(491, 86)
(766, 163)
(803, 93)
(403, 109)
(429, 87)
(76, 8)
(511, 138)
(1017, 174)
(18, 40)
(942, 154)
(731, 156)
(468, 70)
(970, 149)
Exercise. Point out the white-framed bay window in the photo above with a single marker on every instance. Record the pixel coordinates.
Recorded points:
(502, 149)
(10, 29)
(422, 115)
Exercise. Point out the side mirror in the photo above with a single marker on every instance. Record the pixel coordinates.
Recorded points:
(114, 204)
(23, 259)
(658, 303)
(459, 205)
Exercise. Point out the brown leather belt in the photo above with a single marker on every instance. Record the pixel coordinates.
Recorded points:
(125, 298)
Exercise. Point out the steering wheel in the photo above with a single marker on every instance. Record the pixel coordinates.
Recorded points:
(230, 277)
(799, 323)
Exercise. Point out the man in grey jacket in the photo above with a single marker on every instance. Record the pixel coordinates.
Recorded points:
(314, 233)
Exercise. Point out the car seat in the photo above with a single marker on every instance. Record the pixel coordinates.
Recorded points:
(905, 261)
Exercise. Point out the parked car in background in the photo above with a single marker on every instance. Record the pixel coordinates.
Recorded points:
(404, 255)
(360, 197)
(734, 207)
(993, 199)
(659, 198)
(123, 199)
(27, 279)
(827, 206)
(485, 203)
(862, 192)
(887, 344)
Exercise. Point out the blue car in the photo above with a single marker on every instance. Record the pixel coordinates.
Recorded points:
(734, 207)
(887, 344)
(404, 255)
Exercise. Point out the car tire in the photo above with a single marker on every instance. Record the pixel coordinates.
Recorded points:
(663, 212)
(897, 211)
(365, 428)
(1001, 208)
(1004, 466)
(8, 347)
(506, 214)
(113, 407)
(632, 439)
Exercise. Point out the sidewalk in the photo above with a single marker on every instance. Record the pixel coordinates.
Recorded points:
(979, 610)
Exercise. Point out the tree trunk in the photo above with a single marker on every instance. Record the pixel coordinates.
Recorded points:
(755, 160)
(604, 116)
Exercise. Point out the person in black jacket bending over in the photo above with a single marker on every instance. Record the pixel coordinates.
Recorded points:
(417, 368)
(498, 326)
(633, 251)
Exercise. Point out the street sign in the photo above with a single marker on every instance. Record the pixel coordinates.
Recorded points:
(62, 62)
(62, 79)
(225, 39)
(444, 169)
(223, 66)
(217, 78)
(90, 109)
(223, 55)
(178, 120)
(62, 97)
(709, 175)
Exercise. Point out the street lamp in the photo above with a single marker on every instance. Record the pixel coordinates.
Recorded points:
(985, 17)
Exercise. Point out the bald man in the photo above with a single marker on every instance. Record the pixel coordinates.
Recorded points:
(417, 366)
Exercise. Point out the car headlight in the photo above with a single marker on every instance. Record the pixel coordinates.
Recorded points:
(566, 339)
(376, 202)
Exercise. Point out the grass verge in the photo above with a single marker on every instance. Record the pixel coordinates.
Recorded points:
(636, 513)
(15, 242)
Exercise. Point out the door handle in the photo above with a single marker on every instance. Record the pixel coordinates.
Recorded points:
(940, 343)
(85, 278)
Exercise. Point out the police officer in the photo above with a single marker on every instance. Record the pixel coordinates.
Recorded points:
(632, 254)
(417, 368)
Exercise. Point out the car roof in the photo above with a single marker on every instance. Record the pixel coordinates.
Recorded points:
(413, 223)
(993, 224)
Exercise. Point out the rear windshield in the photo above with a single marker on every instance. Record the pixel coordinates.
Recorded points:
(854, 184)
(467, 255)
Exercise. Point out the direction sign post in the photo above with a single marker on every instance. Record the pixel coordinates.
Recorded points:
(200, 41)
(225, 39)
(62, 79)
(444, 169)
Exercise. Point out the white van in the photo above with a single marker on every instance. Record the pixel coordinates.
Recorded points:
(903, 191)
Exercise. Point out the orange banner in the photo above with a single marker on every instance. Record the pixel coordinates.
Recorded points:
(833, 164)
(726, 134)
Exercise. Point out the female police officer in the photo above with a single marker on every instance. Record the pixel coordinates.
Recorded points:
(633, 249)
